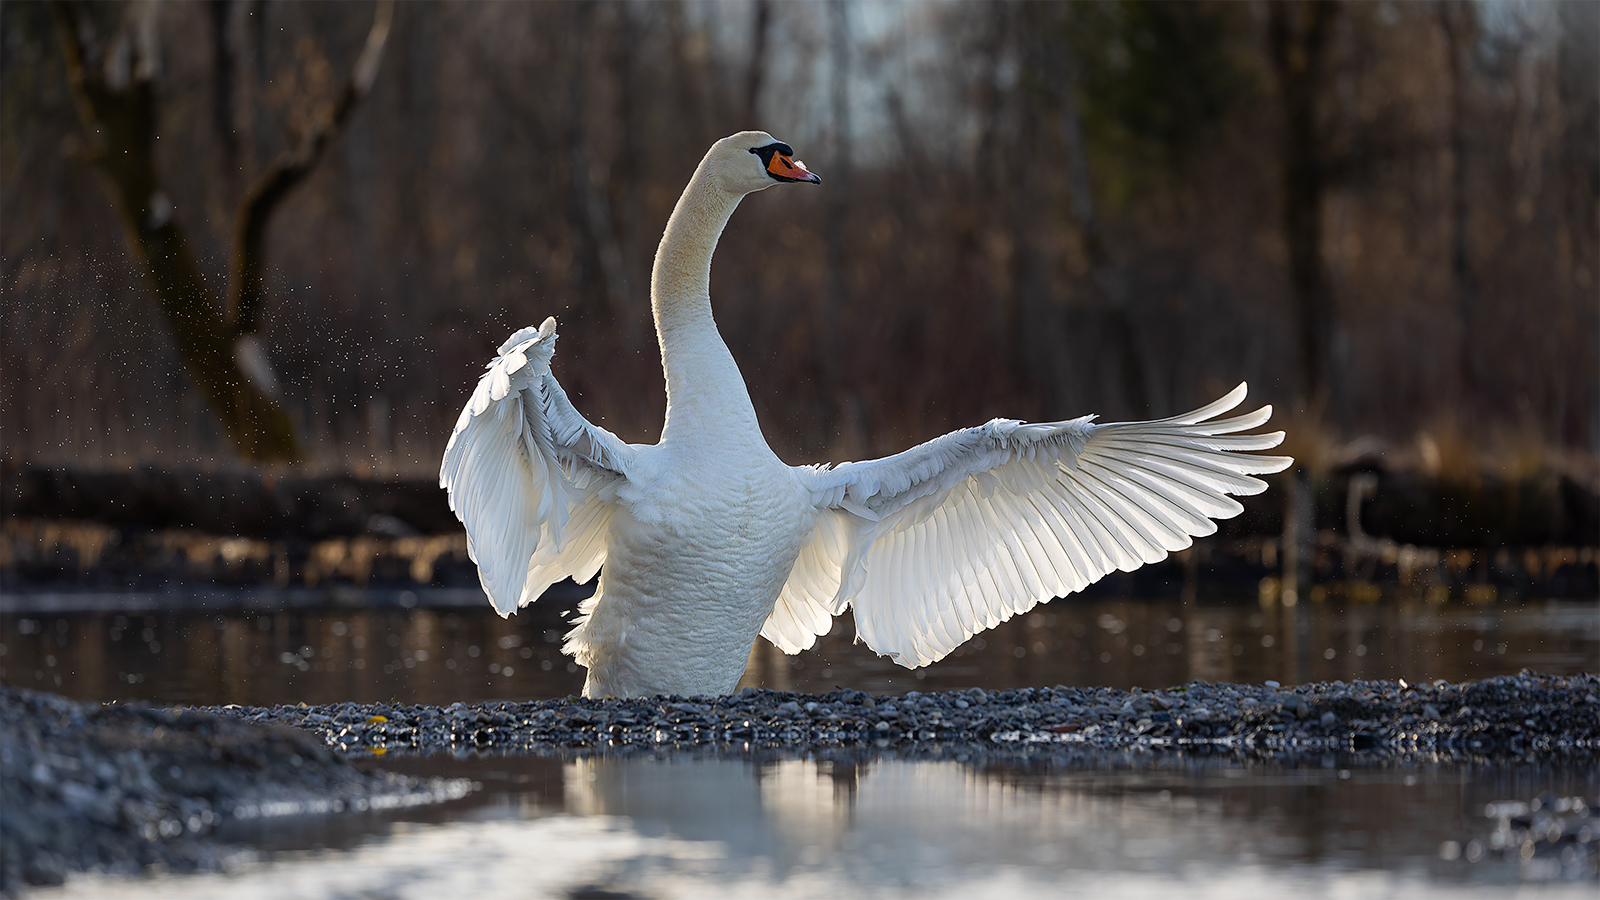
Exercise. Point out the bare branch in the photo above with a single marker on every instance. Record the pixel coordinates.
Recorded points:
(246, 290)
(77, 42)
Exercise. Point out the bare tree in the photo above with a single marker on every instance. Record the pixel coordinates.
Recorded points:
(1037, 328)
(839, 409)
(1297, 41)
(1456, 20)
(1107, 278)
(591, 207)
(118, 103)
(756, 68)
(1297, 38)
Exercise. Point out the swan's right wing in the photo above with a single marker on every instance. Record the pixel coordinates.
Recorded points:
(529, 477)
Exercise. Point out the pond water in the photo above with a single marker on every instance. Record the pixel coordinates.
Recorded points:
(1112, 824)
(440, 646)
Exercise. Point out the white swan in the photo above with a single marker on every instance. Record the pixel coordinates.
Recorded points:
(708, 539)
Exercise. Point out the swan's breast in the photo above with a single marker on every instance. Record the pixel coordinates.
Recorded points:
(713, 519)
(695, 561)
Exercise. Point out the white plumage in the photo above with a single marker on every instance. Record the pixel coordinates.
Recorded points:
(708, 539)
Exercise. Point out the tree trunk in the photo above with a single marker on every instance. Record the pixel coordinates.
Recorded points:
(1297, 38)
(1108, 280)
(1037, 327)
(589, 202)
(1456, 21)
(756, 70)
(839, 411)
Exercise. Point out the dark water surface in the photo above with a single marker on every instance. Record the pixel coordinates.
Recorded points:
(1111, 824)
(1107, 825)
(444, 646)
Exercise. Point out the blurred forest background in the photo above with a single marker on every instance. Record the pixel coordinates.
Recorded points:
(1384, 216)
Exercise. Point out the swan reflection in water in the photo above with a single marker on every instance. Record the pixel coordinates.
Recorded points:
(1117, 824)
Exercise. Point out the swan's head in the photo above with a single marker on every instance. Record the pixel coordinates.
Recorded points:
(753, 161)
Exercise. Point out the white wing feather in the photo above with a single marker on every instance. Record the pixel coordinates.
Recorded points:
(954, 536)
(529, 477)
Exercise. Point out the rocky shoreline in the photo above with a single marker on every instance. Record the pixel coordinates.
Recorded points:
(120, 787)
(1496, 717)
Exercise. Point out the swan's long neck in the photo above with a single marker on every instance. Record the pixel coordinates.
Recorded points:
(706, 395)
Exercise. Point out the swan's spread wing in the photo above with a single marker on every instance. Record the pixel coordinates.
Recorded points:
(529, 477)
(952, 537)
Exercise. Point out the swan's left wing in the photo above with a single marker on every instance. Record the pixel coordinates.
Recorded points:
(529, 477)
(954, 536)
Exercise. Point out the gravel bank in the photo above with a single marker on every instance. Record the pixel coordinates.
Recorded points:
(1508, 716)
(117, 788)
(122, 787)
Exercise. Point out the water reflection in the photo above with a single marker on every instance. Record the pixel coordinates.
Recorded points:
(441, 655)
(1109, 824)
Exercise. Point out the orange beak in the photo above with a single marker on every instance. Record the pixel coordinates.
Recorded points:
(791, 169)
